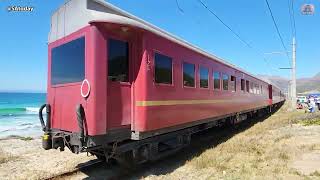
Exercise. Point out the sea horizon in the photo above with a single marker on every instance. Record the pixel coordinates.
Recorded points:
(23, 91)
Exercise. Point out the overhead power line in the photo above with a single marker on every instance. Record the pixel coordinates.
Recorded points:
(228, 27)
(278, 32)
(236, 34)
(180, 9)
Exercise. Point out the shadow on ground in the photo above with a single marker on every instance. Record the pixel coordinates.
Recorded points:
(200, 142)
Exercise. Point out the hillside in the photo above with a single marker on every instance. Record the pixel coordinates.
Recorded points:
(303, 84)
(277, 80)
(317, 76)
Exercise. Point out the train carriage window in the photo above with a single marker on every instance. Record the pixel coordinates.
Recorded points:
(233, 83)
(225, 81)
(216, 80)
(68, 62)
(188, 74)
(247, 86)
(251, 87)
(163, 69)
(118, 60)
(204, 77)
(243, 85)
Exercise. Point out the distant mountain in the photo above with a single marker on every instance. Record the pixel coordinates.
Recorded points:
(279, 81)
(308, 84)
(303, 84)
(317, 76)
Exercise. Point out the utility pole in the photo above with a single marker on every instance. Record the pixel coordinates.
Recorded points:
(289, 90)
(293, 75)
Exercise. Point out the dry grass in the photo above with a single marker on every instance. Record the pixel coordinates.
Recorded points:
(310, 122)
(5, 157)
(253, 145)
(314, 147)
(26, 138)
(23, 138)
(316, 173)
(260, 152)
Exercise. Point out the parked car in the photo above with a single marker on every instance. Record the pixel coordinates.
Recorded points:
(302, 99)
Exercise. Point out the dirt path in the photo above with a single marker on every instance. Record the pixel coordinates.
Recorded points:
(269, 149)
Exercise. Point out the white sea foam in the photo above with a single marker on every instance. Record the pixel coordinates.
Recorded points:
(22, 125)
(32, 109)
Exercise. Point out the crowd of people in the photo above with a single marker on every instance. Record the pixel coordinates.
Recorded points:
(312, 104)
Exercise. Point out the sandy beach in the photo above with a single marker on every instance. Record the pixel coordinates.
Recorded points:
(25, 159)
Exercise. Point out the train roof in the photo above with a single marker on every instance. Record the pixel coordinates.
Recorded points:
(76, 14)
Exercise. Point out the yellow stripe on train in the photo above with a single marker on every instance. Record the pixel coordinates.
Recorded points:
(178, 102)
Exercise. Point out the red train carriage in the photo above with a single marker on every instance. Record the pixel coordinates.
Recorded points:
(119, 85)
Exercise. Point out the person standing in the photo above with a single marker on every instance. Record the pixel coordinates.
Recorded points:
(317, 101)
(311, 104)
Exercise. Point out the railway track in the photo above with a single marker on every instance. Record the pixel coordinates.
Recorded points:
(87, 165)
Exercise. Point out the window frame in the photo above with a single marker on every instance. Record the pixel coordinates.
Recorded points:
(243, 85)
(208, 77)
(234, 83)
(154, 68)
(81, 35)
(255, 88)
(225, 75)
(129, 58)
(247, 86)
(195, 72)
(251, 88)
(119, 37)
(220, 80)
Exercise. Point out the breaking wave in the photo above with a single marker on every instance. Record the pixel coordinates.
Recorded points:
(13, 111)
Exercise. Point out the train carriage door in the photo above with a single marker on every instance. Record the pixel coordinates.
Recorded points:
(119, 56)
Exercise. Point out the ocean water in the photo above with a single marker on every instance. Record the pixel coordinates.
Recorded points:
(19, 114)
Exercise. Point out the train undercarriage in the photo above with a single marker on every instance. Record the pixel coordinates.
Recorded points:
(130, 152)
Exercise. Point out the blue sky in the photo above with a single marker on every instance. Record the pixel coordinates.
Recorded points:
(23, 47)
